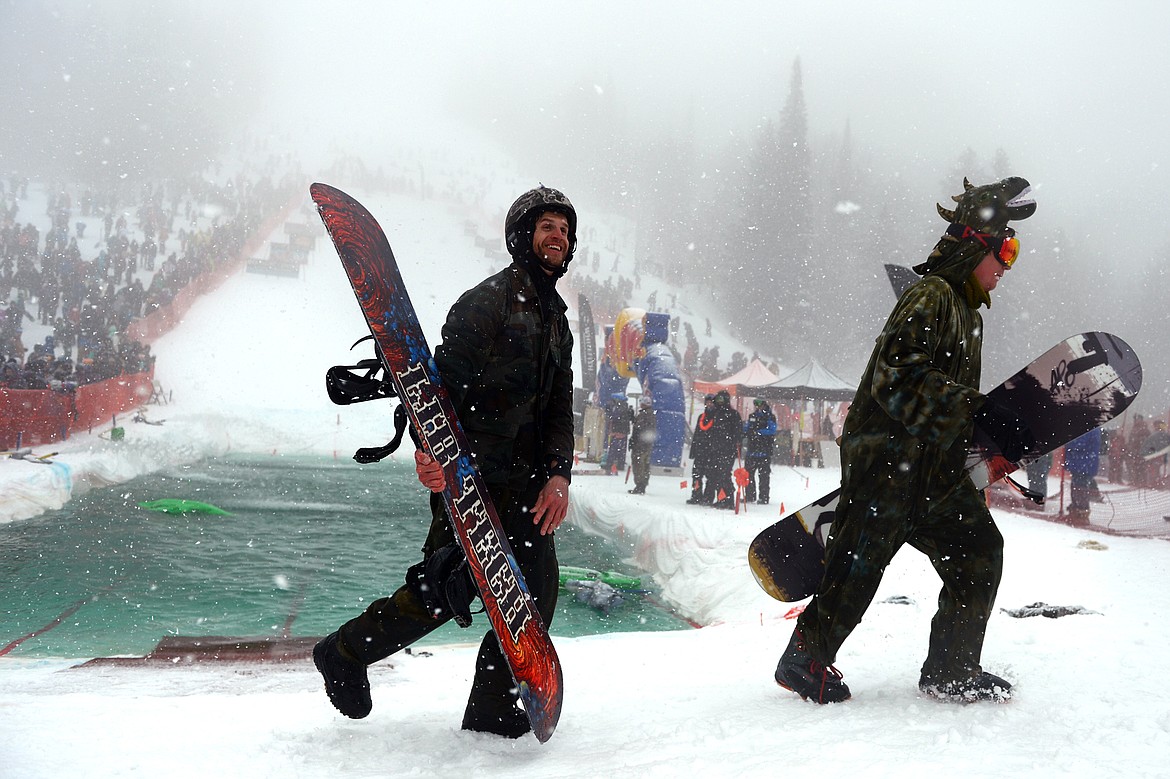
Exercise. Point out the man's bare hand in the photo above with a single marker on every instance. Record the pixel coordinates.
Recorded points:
(551, 505)
(430, 473)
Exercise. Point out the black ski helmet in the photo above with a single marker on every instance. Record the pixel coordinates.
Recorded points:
(521, 220)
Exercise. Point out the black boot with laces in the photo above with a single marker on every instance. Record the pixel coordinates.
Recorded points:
(811, 680)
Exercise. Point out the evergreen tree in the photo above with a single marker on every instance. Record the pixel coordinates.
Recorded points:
(769, 282)
(793, 218)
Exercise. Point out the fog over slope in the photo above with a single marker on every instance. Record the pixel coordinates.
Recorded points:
(782, 149)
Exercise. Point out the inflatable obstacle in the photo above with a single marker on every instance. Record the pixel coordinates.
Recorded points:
(570, 573)
(182, 506)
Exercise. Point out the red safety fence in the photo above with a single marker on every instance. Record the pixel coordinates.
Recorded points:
(35, 417)
(32, 417)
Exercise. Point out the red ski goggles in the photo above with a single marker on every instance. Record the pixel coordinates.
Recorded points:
(1005, 249)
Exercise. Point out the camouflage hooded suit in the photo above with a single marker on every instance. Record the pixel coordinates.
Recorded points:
(903, 479)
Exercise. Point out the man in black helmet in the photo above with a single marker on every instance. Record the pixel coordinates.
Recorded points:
(506, 360)
(903, 454)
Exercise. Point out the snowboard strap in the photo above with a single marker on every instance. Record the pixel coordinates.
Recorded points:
(1027, 492)
(373, 454)
(345, 387)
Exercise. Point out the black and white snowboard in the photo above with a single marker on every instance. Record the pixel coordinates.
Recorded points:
(1074, 387)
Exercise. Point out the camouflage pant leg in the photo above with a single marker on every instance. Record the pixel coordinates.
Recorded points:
(966, 549)
(863, 541)
(641, 458)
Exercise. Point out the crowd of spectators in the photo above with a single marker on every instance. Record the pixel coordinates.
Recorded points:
(86, 289)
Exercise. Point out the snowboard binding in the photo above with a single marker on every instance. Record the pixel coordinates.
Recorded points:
(346, 387)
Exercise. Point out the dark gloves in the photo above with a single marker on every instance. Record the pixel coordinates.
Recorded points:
(1006, 430)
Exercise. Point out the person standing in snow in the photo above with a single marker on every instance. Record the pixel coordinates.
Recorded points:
(619, 416)
(723, 446)
(642, 442)
(1156, 443)
(700, 454)
(506, 360)
(903, 450)
(760, 439)
(1082, 460)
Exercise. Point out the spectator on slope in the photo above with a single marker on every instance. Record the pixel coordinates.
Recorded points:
(618, 418)
(726, 434)
(701, 454)
(642, 441)
(759, 442)
(1154, 454)
(1082, 459)
(1135, 466)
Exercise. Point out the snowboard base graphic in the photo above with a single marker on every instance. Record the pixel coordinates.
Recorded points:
(406, 357)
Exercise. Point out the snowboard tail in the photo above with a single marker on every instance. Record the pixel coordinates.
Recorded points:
(1076, 386)
(377, 283)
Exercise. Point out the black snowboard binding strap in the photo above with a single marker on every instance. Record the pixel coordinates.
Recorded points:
(373, 454)
(346, 387)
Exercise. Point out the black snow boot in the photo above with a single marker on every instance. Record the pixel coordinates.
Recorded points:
(493, 706)
(979, 687)
(499, 716)
(346, 682)
(811, 680)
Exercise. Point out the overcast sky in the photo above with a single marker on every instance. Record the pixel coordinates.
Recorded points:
(1070, 90)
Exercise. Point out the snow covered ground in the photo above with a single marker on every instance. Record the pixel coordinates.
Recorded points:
(1093, 697)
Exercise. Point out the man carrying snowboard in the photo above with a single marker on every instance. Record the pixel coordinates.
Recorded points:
(506, 361)
(903, 449)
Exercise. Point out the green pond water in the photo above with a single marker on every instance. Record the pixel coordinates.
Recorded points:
(308, 544)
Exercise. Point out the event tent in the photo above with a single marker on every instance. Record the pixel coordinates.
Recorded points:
(744, 381)
(812, 381)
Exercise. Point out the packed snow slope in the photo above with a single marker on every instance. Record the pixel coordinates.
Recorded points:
(246, 368)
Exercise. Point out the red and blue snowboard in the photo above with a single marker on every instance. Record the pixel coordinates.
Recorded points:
(377, 283)
(1074, 387)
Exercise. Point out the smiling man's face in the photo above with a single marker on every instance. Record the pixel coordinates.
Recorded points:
(550, 239)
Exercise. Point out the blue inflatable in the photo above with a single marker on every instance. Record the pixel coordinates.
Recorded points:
(636, 347)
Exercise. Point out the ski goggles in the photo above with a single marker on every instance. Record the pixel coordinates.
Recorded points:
(1005, 249)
